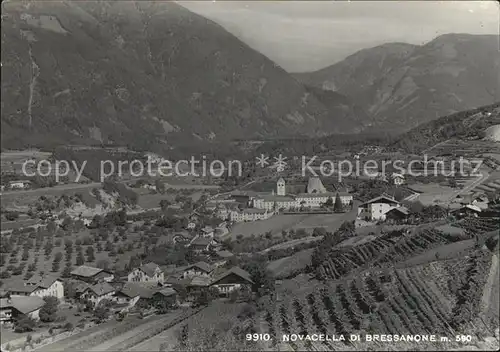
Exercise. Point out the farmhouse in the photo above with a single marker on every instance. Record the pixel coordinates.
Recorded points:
(98, 292)
(200, 244)
(91, 275)
(166, 294)
(467, 211)
(207, 231)
(41, 286)
(232, 279)
(17, 306)
(149, 272)
(315, 197)
(132, 292)
(376, 208)
(197, 269)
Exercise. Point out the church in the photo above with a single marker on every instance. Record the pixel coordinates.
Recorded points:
(316, 195)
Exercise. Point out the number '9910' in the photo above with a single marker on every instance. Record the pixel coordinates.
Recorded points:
(258, 337)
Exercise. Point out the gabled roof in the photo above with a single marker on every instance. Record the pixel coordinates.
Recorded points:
(381, 199)
(202, 266)
(134, 289)
(225, 254)
(402, 210)
(236, 271)
(86, 271)
(200, 281)
(44, 281)
(101, 288)
(166, 292)
(149, 268)
(19, 286)
(24, 304)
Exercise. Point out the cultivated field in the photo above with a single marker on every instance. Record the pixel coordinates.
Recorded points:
(416, 300)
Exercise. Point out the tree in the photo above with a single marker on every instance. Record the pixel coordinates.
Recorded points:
(12, 215)
(261, 276)
(48, 313)
(90, 254)
(337, 207)
(329, 202)
(79, 259)
(24, 324)
(101, 312)
(66, 272)
(206, 296)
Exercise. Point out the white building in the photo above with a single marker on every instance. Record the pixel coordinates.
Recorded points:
(376, 208)
(315, 197)
(250, 214)
(40, 286)
(149, 272)
(96, 293)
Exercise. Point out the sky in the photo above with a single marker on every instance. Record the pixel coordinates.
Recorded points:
(309, 35)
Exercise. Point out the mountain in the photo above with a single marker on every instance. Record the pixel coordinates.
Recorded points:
(143, 74)
(402, 85)
(470, 124)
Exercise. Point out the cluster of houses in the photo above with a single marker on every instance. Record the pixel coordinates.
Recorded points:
(143, 287)
(387, 208)
(253, 206)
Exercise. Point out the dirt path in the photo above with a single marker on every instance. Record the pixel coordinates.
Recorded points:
(489, 300)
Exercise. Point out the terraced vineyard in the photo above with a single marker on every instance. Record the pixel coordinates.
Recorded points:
(389, 248)
(479, 225)
(418, 300)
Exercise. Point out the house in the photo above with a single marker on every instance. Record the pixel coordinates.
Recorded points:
(198, 269)
(200, 244)
(16, 306)
(96, 293)
(91, 275)
(41, 286)
(207, 231)
(376, 208)
(466, 211)
(191, 226)
(397, 214)
(19, 184)
(167, 294)
(232, 279)
(149, 272)
(133, 292)
(224, 254)
(397, 179)
(182, 237)
(315, 197)
(197, 284)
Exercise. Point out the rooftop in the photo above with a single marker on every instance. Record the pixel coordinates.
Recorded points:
(202, 266)
(149, 268)
(234, 270)
(86, 271)
(134, 289)
(24, 304)
(101, 288)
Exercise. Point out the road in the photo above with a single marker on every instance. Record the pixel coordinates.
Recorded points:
(484, 176)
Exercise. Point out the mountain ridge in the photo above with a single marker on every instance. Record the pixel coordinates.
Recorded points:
(404, 85)
(143, 74)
